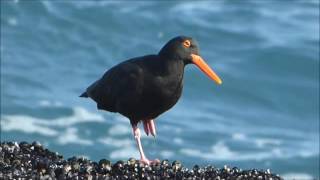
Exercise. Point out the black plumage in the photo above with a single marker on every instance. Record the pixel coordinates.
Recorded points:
(144, 87)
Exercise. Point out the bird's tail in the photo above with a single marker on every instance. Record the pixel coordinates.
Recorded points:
(84, 95)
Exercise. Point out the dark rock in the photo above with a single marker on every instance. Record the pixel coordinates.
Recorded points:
(31, 161)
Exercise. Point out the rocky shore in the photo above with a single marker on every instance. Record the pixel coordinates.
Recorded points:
(33, 161)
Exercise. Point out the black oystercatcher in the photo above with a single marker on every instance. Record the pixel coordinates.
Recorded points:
(144, 87)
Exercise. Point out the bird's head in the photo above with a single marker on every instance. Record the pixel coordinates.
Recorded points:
(187, 49)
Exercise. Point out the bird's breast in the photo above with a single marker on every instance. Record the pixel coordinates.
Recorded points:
(162, 95)
(158, 90)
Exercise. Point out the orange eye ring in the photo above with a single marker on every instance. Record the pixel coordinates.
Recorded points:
(187, 43)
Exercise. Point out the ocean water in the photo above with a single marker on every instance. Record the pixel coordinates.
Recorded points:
(264, 115)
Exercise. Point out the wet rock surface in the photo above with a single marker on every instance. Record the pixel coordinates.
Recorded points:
(33, 161)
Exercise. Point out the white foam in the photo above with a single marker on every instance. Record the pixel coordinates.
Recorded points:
(82, 156)
(171, 128)
(191, 8)
(124, 153)
(239, 136)
(220, 151)
(160, 35)
(314, 2)
(80, 115)
(126, 147)
(117, 142)
(258, 142)
(166, 154)
(26, 124)
(178, 141)
(262, 142)
(71, 136)
(89, 4)
(47, 127)
(12, 21)
(47, 103)
(121, 119)
(297, 176)
(195, 11)
(119, 129)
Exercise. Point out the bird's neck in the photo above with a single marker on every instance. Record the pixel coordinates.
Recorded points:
(172, 73)
(172, 66)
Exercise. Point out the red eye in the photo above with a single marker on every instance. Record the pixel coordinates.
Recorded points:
(186, 43)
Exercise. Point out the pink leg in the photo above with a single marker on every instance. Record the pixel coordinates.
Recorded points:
(152, 127)
(137, 135)
(149, 127)
(146, 128)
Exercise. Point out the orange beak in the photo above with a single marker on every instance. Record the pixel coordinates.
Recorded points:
(204, 67)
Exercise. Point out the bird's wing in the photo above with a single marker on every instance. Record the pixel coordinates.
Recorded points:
(119, 86)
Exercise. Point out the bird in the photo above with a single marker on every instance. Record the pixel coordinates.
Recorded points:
(144, 87)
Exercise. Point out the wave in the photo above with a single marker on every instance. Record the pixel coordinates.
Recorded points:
(258, 142)
(124, 153)
(256, 121)
(47, 103)
(26, 124)
(221, 152)
(80, 115)
(50, 127)
(120, 129)
(113, 142)
(298, 176)
(70, 136)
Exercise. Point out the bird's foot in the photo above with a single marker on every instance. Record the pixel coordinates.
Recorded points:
(146, 161)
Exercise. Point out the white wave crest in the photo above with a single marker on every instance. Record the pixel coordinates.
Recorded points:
(70, 136)
(297, 176)
(124, 153)
(191, 8)
(220, 151)
(239, 136)
(119, 129)
(26, 124)
(178, 141)
(166, 154)
(47, 103)
(262, 142)
(117, 142)
(12, 21)
(46, 127)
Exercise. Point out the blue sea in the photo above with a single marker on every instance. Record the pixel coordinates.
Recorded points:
(265, 115)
